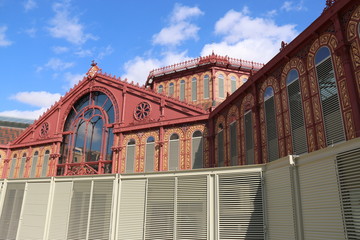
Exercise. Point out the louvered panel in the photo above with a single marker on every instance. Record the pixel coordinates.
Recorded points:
(280, 210)
(221, 87)
(174, 154)
(12, 168)
(160, 209)
(101, 208)
(60, 210)
(33, 166)
(240, 207)
(197, 152)
(11, 209)
(191, 208)
(22, 167)
(206, 87)
(182, 90)
(130, 158)
(149, 157)
(348, 164)
(233, 85)
(194, 90)
(297, 118)
(249, 143)
(79, 210)
(132, 210)
(271, 132)
(1, 187)
(221, 152)
(45, 165)
(321, 207)
(330, 102)
(34, 211)
(233, 145)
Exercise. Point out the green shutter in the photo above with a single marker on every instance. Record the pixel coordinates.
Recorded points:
(174, 154)
(33, 166)
(206, 87)
(197, 152)
(149, 157)
(130, 158)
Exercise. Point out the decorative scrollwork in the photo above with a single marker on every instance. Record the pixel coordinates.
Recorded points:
(142, 111)
(44, 129)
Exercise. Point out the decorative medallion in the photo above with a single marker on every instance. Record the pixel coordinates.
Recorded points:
(44, 129)
(142, 111)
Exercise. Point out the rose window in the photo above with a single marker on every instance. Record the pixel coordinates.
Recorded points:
(142, 111)
(44, 129)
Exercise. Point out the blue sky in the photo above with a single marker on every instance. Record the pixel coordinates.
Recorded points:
(47, 46)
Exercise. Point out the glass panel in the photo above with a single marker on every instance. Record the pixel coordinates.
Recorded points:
(94, 139)
(130, 157)
(249, 145)
(100, 98)
(45, 164)
(174, 136)
(233, 145)
(182, 90)
(78, 150)
(206, 86)
(22, 166)
(12, 167)
(109, 144)
(160, 89)
(292, 76)
(221, 86)
(221, 153)
(233, 84)
(149, 156)
(174, 154)
(322, 54)
(197, 150)
(82, 102)
(34, 164)
(194, 89)
(171, 89)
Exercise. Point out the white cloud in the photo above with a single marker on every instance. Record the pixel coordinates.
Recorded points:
(60, 49)
(271, 13)
(24, 114)
(108, 50)
(291, 6)
(38, 99)
(180, 28)
(3, 41)
(65, 26)
(72, 79)
(29, 5)
(84, 53)
(31, 32)
(253, 39)
(56, 64)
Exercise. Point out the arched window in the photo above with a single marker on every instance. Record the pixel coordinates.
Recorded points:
(221, 86)
(244, 80)
(194, 89)
(182, 90)
(130, 156)
(171, 89)
(34, 164)
(233, 142)
(174, 152)
(329, 96)
(271, 126)
(206, 86)
(296, 113)
(149, 154)
(12, 166)
(249, 142)
(160, 88)
(359, 29)
(221, 152)
(45, 165)
(22, 166)
(233, 84)
(89, 136)
(197, 150)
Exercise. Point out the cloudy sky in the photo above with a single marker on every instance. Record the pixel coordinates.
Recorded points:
(47, 46)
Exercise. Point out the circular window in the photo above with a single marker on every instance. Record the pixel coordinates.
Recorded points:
(142, 111)
(44, 129)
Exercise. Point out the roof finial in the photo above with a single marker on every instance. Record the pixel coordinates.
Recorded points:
(93, 70)
(93, 63)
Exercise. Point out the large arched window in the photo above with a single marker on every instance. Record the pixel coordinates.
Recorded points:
(22, 166)
(149, 154)
(171, 89)
(12, 166)
(34, 164)
(182, 90)
(197, 150)
(174, 152)
(88, 136)
(206, 86)
(221, 86)
(45, 165)
(296, 113)
(271, 126)
(233, 84)
(194, 89)
(130, 156)
(220, 147)
(160, 88)
(233, 142)
(249, 142)
(334, 129)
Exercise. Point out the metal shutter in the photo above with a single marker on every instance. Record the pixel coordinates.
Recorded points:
(45, 165)
(11, 210)
(174, 154)
(206, 87)
(221, 86)
(194, 89)
(197, 152)
(12, 167)
(60, 210)
(33, 166)
(297, 118)
(221, 153)
(160, 209)
(130, 158)
(79, 210)
(149, 157)
(132, 209)
(22, 167)
(182, 90)
(233, 145)
(330, 102)
(101, 209)
(33, 216)
(240, 206)
(272, 140)
(191, 217)
(280, 210)
(320, 200)
(348, 164)
(249, 143)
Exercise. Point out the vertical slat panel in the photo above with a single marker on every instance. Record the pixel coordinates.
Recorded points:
(149, 157)
(160, 209)
(197, 152)
(206, 86)
(233, 144)
(34, 211)
(240, 206)
(132, 210)
(192, 208)
(130, 158)
(45, 165)
(101, 209)
(11, 210)
(182, 90)
(33, 166)
(174, 154)
(221, 86)
(22, 167)
(60, 210)
(12, 168)
(271, 130)
(249, 143)
(221, 152)
(194, 89)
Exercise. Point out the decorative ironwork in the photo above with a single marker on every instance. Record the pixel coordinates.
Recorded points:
(54, 155)
(44, 129)
(142, 111)
(83, 169)
(329, 4)
(283, 45)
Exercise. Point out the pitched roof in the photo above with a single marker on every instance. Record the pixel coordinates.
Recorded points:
(8, 134)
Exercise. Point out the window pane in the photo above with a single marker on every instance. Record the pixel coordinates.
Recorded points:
(171, 89)
(182, 90)
(221, 86)
(272, 140)
(249, 145)
(206, 86)
(34, 165)
(149, 156)
(130, 156)
(233, 84)
(160, 89)
(174, 154)
(78, 150)
(233, 145)
(94, 139)
(221, 153)
(197, 151)
(194, 89)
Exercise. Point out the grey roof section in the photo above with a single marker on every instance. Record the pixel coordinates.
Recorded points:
(15, 122)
